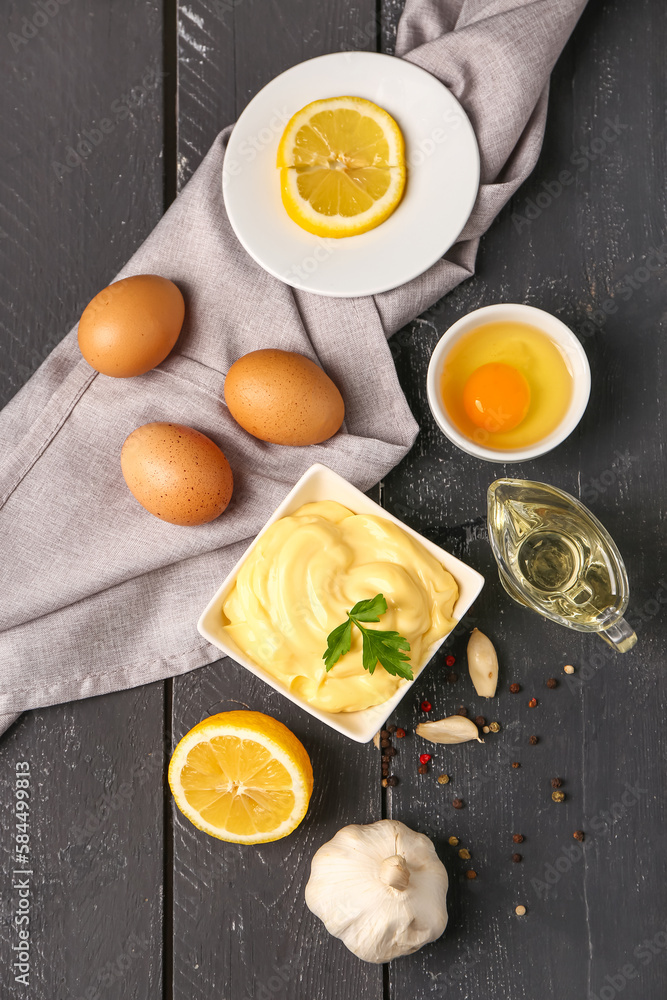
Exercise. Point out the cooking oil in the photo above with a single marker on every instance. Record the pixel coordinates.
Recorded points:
(555, 557)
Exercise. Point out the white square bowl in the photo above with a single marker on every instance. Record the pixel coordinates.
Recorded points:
(320, 483)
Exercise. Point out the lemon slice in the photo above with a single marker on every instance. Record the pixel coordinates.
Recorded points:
(242, 777)
(342, 166)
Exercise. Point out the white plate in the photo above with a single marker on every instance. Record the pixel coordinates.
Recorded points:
(443, 177)
(320, 483)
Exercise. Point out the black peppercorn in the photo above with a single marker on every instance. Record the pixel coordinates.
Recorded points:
(556, 782)
(533, 741)
(457, 803)
(578, 834)
(517, 858)
(480, 721)
(392, 781)
(517, 838)
(390, 751)
(552, 683)
(515, 688)
(463, 711)
(452, 677)
(423, 769)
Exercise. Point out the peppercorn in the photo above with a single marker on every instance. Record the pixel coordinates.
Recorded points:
(520, 910)
(494, 727)
(393, 781)
(391, 729)
(450, 660)
(384, 734)
(515, 764)
(578, 834)
(400, 733)
(457, 803)
(443, 779)
(463, 711)
(465, 854)
(423, 769)
(558, 796)
(471, 873)
(424, 758)
(390, 752)
(485, 729)
(426, 706)
(569, 669)
(452, 677)
(532, 703)
(556, 782)
(533, 740)
(515, 688)
(517, 838)
(552, 683)
(385, 758)
(517, 858)
(385, 743)
(480, 721)
(385, 782)
(453, 841)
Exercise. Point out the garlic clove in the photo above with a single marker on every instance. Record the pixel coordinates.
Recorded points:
(455, 729)
(482, 664)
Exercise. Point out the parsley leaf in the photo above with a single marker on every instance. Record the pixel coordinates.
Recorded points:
(387, 648)
(379, 646)
(369, 611)
(338, 643)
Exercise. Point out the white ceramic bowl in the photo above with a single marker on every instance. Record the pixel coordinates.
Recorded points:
(561, 335)
(320, 483)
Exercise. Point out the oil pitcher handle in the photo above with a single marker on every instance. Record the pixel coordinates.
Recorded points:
(619, 635)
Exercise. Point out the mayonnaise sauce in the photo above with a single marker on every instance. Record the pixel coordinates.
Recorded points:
(307, 571)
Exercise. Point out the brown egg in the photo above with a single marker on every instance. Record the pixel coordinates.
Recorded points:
(284, 398)
(131, 325)
(176, 473)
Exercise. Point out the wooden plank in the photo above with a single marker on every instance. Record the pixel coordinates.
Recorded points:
(588, 913)
(241, 927)
(76, 202)
(229, 49)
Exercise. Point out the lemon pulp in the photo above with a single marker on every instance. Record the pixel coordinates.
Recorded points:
(342, 166)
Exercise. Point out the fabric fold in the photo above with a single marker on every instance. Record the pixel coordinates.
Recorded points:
(99, 595)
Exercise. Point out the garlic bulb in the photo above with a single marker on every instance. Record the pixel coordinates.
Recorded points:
(380, 888)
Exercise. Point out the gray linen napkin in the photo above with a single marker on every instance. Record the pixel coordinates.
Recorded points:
(97, 595)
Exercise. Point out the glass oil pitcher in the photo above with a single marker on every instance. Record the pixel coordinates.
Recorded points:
(555, 557)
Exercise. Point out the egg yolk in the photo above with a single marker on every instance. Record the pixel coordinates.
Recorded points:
(496, 397)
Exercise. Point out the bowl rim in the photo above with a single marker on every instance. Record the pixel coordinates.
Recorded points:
(552, 327)
(363, 725)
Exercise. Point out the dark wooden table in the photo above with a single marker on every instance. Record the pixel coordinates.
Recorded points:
(128, 899)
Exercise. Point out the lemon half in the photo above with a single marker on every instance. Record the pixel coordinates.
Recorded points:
(242, 777)
(342, 166)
